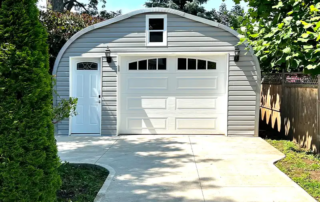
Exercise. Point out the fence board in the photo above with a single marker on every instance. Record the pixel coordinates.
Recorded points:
(292, 110)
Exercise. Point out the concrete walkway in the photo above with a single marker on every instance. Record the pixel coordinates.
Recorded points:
(185, 168)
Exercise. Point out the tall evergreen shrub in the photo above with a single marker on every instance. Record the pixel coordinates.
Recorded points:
(28, 153)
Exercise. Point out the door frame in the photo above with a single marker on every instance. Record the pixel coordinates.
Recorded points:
(165, 54)
(72, 60)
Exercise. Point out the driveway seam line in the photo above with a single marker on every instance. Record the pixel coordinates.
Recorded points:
(106, 151)
(195, 163)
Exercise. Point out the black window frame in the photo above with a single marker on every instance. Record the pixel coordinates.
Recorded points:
(147, 62)
(187, 60)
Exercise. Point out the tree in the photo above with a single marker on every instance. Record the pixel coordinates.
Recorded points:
(55, 5)
(232, 18)
(28, 152)
(62, 26)
(90, 8)
(189, 6)
(284, 34)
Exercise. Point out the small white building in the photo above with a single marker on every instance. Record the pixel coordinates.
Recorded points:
(168, 73)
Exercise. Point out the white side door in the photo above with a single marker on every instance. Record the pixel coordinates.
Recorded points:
(86, 86)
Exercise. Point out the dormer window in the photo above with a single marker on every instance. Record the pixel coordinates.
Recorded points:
(156, 30)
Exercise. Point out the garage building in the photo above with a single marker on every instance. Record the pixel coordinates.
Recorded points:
(158, 71)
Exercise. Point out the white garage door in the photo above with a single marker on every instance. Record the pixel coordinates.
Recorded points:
(173, 95)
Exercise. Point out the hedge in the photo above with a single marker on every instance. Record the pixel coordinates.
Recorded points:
(28, 152)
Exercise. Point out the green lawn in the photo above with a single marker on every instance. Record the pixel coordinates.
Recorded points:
(80, 182)
(301, 166)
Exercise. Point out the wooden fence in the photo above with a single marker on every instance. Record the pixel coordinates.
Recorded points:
(289, 105)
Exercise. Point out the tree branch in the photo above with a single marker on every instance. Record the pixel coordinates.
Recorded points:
(71, 3)
(80, 4)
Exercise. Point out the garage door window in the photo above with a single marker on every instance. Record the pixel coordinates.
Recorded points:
(150, 64)
(195, 64)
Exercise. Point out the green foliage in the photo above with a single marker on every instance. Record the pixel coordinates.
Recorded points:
(232, 18)
(28, 154)
(65, 108)
(300, 165)
(80, 182)
(62, 26)
(92, 5)
(284, 34)
(81, 6)
(192, 6)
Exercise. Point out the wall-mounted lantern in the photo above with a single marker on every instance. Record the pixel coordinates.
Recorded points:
(236, 54)
(108, 55)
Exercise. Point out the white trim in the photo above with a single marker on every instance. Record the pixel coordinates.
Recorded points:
(165, 32)
(118, 92)
(101, 91)
(258, 94)
(227, 89)
(70, 91)
(142, 11)
(71, 70)
(156, 54)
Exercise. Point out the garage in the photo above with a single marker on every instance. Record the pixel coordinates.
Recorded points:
(184, 94)
(158, 71)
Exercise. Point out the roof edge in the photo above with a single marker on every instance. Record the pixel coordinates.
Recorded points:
(148, 10)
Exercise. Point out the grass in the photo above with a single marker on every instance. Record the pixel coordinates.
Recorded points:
(80, 182)
(300, 165)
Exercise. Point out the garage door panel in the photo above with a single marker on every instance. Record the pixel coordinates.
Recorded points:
(147, 83)
(198, 103)
(179, 104)
(173, 101)
(140, 103)
(200, 84)
(136, 123)
(196, 123)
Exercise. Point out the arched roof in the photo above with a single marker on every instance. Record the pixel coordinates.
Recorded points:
(148, 10)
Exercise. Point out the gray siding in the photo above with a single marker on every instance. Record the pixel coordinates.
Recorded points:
(184, 35)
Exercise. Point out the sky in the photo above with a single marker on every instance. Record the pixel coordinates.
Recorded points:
(131, 5)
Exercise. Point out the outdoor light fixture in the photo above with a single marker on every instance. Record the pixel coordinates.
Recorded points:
(236, 54)
(108, 55)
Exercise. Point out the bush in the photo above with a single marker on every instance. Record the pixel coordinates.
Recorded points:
(28, 153)
(64, 109)
(62, 26)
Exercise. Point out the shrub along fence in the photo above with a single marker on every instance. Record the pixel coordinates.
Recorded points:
(289, 106)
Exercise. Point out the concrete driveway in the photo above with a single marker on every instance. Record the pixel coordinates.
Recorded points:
(185, 168)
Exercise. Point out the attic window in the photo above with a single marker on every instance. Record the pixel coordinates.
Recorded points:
(156, 30)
